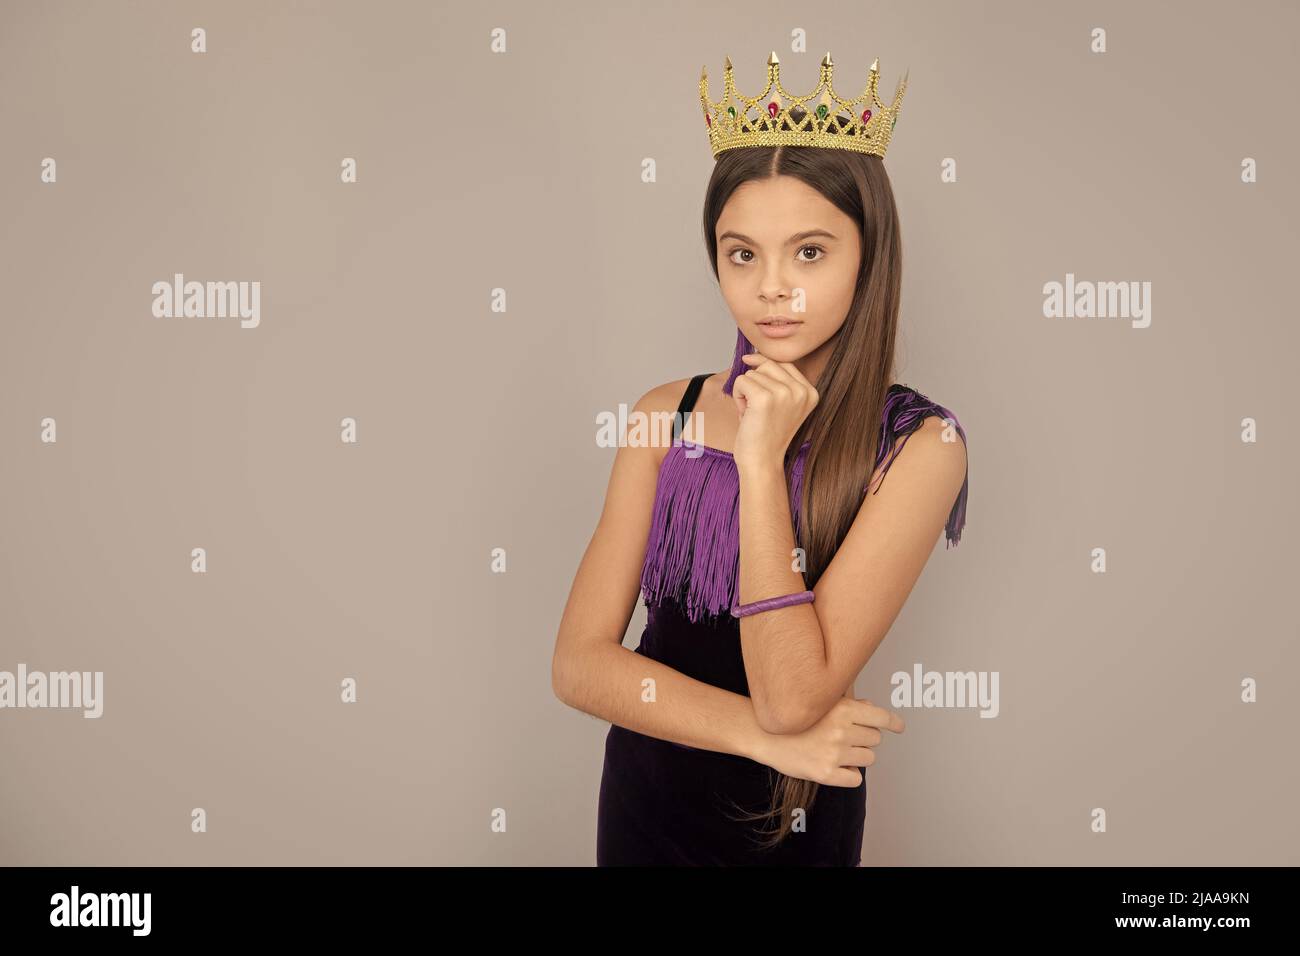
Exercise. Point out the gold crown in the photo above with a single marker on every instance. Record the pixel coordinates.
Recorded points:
(862, 130)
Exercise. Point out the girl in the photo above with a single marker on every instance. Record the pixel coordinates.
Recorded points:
(770, 574)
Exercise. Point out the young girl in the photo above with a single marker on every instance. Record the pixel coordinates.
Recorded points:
(770, 574)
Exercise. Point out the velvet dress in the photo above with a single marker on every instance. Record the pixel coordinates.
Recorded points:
(663, 803)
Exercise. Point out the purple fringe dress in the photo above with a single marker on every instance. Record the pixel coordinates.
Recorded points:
(663, 803)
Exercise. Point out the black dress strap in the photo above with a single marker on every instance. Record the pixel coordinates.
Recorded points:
(687, 403)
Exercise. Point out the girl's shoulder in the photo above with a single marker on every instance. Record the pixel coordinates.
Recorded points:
(668, 396)
(659, 404)
(908, 411)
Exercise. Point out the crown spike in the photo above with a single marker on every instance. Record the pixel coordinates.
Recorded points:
(898, 93)
(728, 63)
(772, 60)
(826, 60)
(875, 65)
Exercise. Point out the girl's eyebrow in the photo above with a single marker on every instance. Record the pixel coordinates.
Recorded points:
(797, 237)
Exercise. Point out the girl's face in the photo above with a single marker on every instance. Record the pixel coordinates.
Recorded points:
(786, 250)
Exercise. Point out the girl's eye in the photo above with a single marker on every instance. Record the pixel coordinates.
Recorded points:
(801, 256)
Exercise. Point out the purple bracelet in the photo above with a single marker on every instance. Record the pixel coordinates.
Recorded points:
(770, 604)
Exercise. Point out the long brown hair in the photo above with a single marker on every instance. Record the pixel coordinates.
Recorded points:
(844, 427)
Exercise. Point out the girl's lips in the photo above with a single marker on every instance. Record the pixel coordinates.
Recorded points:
(779, 331)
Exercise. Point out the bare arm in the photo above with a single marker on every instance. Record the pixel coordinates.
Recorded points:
(591, 669)
(801, 659)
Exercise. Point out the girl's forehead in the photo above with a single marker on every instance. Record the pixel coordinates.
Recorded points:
(786, 196)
